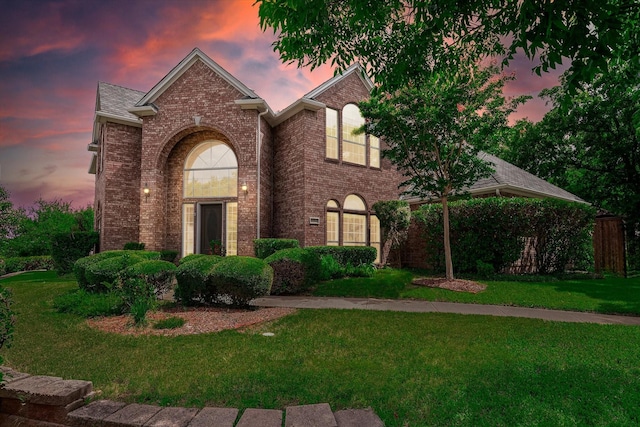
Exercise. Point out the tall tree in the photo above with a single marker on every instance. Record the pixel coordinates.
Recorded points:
(433, 132)
(402, 41)
(395, 218)
(10, 217)
(591, 146)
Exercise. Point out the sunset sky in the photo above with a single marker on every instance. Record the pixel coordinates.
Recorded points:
(54, 53)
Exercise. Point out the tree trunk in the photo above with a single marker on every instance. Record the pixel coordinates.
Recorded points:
(386, 250)
(447, 242)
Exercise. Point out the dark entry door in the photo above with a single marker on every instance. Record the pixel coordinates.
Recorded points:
(210, 226)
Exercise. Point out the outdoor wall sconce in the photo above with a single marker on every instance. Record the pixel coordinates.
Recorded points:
(244, 188)
(146, 191)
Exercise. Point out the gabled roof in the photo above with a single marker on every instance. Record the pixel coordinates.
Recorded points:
(511, 179)
(177, 71)
(519, 181)
(114, 101)
(355, 68)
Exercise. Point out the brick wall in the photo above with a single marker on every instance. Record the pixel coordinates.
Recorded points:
(118, 186)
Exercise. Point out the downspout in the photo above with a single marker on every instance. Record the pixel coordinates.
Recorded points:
(258, 152)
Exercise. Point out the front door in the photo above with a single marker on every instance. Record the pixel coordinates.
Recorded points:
(210, 226)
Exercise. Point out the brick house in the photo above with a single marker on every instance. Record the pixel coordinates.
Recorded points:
(201, 157)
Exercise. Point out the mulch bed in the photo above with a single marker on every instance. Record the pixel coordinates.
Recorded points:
(457, 285)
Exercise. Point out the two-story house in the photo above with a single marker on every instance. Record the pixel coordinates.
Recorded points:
(201, 157)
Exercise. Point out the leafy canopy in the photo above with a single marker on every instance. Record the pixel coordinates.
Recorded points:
(403, 41)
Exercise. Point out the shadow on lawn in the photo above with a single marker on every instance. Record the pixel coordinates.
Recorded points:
(539, 394)
(618, 295)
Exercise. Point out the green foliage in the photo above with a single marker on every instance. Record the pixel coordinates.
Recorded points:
(103, 275)
(7, 322)
(89, 304)
(493, 231)
(240, 279)
(80, 267)
(400, 42)
(138, 296)
(168, 255)
(67, 248)
(159, 275)
(395, 218)
(34, 233)
(194, 285)
(294, 270)
(192, 257)
(3, 267)
(330, 268)
(347, 255)
(172, 322)
(28, 263)
(10, 219)
(217, 248)
(134, 246)
(265, 247)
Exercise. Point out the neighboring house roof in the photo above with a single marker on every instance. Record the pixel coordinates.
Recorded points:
(511, 179)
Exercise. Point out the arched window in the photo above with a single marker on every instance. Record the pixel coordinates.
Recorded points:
(333, 223)
(354, 146)
(211, 170)
(354, 222)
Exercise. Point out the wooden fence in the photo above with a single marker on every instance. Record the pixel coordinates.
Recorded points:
(609, 245)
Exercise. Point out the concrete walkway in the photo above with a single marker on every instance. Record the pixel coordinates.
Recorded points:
(415, 306)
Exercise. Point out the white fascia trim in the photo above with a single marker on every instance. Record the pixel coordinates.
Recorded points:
(295, 108)
(143, 111)
(324, 86)
(103, 117)
(92, 166)
(195, 55)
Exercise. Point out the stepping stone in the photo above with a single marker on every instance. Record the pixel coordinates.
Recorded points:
(358, 418)
(318, 415)
(94, 413)
(215, 417)
(172, 417)
(131, 415)
(9, 375)
(260, 418)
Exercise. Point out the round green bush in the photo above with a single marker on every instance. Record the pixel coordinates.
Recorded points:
(81, 265)
(193, 279)
(101, 274)
(158, 274)
(294, 270)
(240, 279)
(192, 257)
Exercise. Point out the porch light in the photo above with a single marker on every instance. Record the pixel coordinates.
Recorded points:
(244, 188)
(146, 191)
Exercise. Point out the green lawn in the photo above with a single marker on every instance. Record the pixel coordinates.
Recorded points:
(608, 295)
(413, 369)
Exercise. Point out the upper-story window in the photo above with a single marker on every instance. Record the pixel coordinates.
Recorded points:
(354, 147)
(211, 170)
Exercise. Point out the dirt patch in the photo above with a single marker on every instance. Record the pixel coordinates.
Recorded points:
(197, 320)
(457, 285)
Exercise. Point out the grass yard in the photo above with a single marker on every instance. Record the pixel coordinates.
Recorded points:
(413, 369)
(609, 295)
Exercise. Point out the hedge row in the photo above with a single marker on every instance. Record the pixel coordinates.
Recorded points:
(97, 273)
(492, 233)
(262, 248)
(67, 248)
(211, 279)
(28, 263)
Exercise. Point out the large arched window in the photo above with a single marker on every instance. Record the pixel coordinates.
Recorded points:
(211, 170)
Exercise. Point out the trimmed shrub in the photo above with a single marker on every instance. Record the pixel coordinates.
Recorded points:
(101, 275)
(87, 304)
(240, 279)
(133, 246)
(494, 230)
(193, 276)
(265, 247)
(347, 255)
(191, 257)
(168, 255)
(28, 263)
(80, 267)
(159, 275)
(67, 248)
(294, 270)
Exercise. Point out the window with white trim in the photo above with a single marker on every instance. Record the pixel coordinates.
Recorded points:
(343, 142)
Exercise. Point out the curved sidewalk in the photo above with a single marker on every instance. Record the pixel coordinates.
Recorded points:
(416, 306)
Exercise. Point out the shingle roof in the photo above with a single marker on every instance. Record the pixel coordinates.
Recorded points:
(116, 100)
(510, 176)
